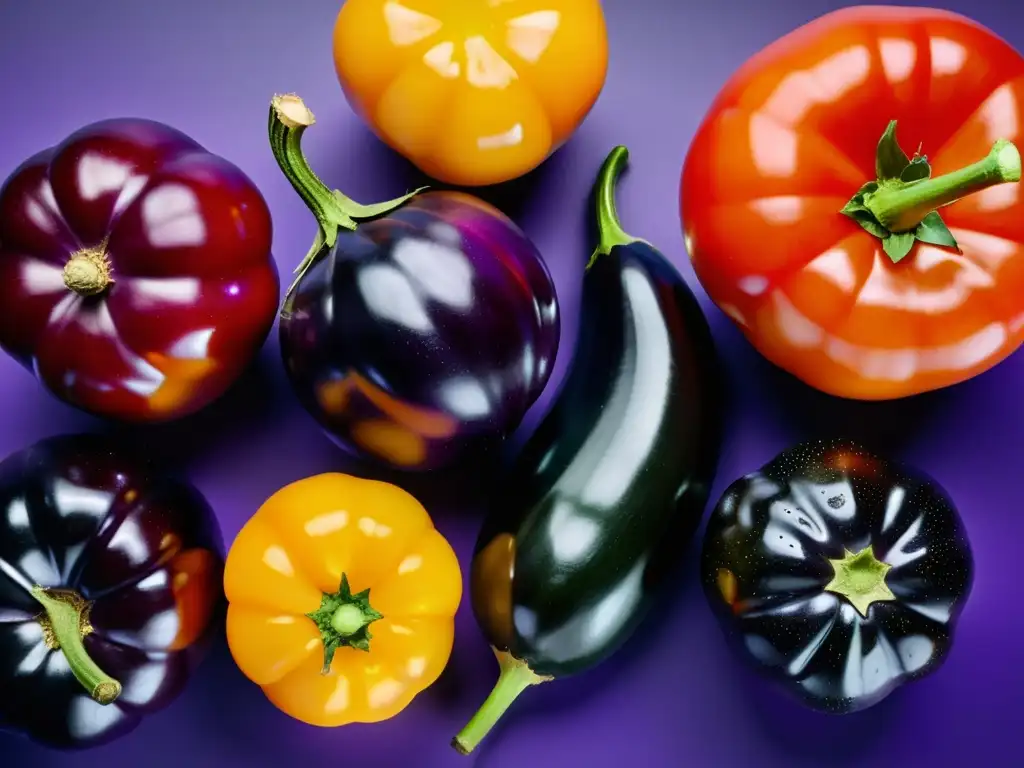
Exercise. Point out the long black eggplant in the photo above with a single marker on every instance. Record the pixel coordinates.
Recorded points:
(604, 497)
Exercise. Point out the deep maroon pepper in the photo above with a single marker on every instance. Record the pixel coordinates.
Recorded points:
(110, 586)
(136, 279)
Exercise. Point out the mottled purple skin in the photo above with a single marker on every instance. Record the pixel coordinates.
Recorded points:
(78, 513)
(424, 334)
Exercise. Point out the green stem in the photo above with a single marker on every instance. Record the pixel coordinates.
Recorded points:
(289, 119)
(901, 208)
(65, 625)
(609, 229)
(515, 677)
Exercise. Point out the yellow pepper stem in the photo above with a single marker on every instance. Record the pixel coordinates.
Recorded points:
(515, 677)
(344, 621)
(348, 619)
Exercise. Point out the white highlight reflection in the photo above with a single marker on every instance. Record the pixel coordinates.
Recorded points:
(172, 217)
(826, 83)
(948, 56)
(898, 58)
(389, 296)
(999, 114)
(99, 175)
(441, 272)
(530, 35)
(406, 26)
(634, 406)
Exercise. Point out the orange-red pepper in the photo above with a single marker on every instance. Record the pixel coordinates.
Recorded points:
(342, 597)
(837, 255)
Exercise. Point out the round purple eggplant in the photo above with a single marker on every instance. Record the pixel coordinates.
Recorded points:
(421, 334)
(110, 587)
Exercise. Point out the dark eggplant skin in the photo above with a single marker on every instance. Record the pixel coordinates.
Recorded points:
(82, 513)
(419, 331)
(766, 572)
(607, 493)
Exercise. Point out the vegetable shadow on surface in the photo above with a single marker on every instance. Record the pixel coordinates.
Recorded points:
(814, 738)
(522, 199)
(250, 407)
(885, 426)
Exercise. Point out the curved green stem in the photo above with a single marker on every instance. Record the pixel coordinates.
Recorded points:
(289, 119)
(901, 208)
(609, 229)
(515, 677)
(65, 625)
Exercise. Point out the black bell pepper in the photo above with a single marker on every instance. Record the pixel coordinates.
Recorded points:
(606, 493)
(838, 573)
(110, 585)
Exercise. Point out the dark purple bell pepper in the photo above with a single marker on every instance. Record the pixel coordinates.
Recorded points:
(110, 585)
(422, 335)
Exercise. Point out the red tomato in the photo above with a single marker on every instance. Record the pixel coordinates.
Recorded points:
(878, 307)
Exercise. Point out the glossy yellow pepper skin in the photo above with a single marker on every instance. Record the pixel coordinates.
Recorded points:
(295, 579)
(473, 92)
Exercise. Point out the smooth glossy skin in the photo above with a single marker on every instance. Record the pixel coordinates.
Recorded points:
(424, 334)
(765, 567)
(787, 143)
(195, 288)
(78, 512)
(296, 548)
(604, 497)
(472, 92)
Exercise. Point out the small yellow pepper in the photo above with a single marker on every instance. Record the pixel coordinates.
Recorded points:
(472, 92)
(342, 597)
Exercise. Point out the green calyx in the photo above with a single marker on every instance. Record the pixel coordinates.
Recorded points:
(609, 230)
(289, 118)
(860, 578)
(900, 207)
(344, 621)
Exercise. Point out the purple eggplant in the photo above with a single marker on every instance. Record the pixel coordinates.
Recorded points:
(110, 587)
(421, 334)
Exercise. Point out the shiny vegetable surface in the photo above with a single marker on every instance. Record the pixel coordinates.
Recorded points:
(136, 280)
(421, 335)
(837, 573)
(606, 494)
(110, 581)
(342, 599)
(850, 201)
(473, 93)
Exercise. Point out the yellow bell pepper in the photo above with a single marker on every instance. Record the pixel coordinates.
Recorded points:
(341, 599)
(473, 93)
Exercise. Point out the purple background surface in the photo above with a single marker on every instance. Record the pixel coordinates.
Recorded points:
(675, 696)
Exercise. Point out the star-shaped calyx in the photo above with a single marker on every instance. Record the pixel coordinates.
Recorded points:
(860, 578)
(344, 620)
